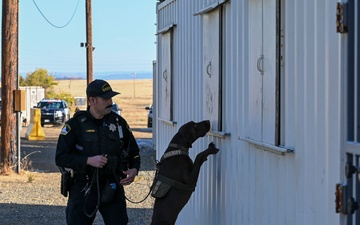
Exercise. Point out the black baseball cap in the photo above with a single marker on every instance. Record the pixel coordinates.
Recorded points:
(100, 88)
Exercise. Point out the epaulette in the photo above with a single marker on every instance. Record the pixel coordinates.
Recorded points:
(116, 116)
(80, 115)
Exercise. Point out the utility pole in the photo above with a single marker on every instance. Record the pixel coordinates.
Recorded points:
(89, 49)
(9, 83)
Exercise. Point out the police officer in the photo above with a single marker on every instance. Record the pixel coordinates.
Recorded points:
(99, 147)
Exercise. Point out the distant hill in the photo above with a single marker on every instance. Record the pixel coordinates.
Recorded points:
(105, 75)
(102, 75)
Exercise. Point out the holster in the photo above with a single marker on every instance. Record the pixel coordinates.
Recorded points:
(67, 180)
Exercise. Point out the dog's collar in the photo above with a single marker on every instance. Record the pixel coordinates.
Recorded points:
(180, 150)
(174, 153)
(178, 146)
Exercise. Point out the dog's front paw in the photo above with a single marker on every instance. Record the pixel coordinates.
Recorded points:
(213, 148)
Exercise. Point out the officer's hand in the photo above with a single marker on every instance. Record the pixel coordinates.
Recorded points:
(97, 161)
(130, 176)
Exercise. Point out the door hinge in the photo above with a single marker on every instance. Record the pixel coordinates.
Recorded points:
(340, 198)
(344, 204)
(341, 17)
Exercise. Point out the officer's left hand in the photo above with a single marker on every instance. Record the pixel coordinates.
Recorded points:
(131, 173)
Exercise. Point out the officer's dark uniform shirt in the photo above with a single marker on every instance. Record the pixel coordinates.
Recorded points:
(83, 136)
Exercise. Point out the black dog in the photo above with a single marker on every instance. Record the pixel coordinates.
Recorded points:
(177, 175)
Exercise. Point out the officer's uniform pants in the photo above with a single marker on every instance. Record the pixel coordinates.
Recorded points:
(113, 213)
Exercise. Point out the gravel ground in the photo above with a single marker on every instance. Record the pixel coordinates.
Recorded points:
(33, 197)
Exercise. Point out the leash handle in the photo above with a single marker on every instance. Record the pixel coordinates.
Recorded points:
(95, 173)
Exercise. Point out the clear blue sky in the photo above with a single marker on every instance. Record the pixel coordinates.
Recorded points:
(123, 35)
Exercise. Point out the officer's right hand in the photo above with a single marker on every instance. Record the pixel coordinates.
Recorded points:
(97, 161)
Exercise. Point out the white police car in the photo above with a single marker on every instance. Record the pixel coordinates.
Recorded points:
(53, 111)
(116, 108)
(150, 116)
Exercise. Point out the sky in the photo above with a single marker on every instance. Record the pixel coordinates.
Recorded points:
(123, 35)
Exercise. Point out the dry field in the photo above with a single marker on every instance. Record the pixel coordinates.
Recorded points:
(134, 97)
(30, 199)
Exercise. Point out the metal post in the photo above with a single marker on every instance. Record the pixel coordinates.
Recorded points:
(18, 124)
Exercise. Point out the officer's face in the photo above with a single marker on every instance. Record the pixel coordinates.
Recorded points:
(101, 106)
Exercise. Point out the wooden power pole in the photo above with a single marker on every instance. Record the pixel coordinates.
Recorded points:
(9, 83)
(89, 49)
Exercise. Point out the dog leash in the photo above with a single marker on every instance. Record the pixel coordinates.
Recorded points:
(180, 151)
(134, 202)
(88, 189)
(129, 200)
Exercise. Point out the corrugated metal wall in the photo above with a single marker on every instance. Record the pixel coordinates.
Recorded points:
(34, 94)
(244, 184)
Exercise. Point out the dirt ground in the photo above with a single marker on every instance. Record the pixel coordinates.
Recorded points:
(33, 197)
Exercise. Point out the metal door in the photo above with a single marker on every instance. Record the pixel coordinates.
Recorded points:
(262, 76)
(165, 79)
(211, 66)
(348, 193)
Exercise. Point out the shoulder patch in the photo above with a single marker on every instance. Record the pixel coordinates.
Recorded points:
(65, 129)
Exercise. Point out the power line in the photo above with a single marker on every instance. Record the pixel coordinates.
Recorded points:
(72, 16)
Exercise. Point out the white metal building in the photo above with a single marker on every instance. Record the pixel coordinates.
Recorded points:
(34, 94)
(279, 80)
